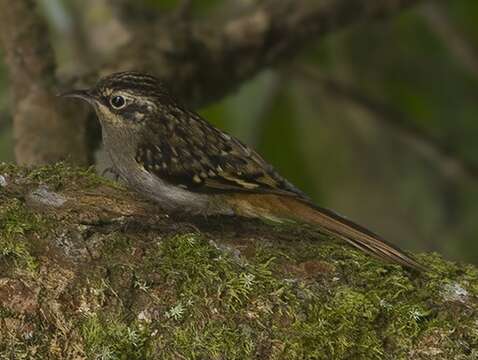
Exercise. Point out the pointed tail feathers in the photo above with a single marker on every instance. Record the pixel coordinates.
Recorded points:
(276, 207)
(360, 237)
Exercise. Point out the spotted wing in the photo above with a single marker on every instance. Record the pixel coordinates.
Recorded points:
(186, 151)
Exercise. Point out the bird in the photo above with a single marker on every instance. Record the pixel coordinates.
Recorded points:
(173, 156)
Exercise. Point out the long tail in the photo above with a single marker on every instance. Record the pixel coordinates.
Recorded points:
(278, 208)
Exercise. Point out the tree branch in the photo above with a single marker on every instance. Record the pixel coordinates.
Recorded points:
(44, 130)
(440, 23)
(450, 164)
(202, 65)
(89, 270)
(133, 14)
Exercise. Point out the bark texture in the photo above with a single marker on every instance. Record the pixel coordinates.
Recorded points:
(91, 271)
(45, 130)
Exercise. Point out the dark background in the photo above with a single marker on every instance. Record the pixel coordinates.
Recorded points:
(378, 120)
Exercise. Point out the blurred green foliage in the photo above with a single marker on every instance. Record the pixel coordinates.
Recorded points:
(343, 154)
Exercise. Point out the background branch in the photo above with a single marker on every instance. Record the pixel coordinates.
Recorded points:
(451, 36)
(44, 131)
(202, 65)
(450, 164)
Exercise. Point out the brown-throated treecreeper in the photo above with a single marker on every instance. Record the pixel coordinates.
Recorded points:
(175, 157)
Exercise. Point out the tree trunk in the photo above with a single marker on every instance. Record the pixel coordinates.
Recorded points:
(91, 271)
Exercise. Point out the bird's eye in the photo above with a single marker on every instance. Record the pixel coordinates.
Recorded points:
(117, 102)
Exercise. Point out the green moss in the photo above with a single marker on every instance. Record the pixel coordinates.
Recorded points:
(145, 295)
(341, 329)
(116, 244)
(15, 222)
(113, 339)
(61, 174)
(210, 304)
(58, 175)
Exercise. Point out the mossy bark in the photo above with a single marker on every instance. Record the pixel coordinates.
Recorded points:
(89, 270)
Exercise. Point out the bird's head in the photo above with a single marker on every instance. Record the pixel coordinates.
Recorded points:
(125, 100)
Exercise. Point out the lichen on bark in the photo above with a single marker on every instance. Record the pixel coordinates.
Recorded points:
(91, 271)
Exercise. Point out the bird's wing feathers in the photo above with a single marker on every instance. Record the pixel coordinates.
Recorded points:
(185, 150)
(201, 158)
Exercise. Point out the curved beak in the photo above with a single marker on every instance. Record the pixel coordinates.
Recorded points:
(80, 94)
